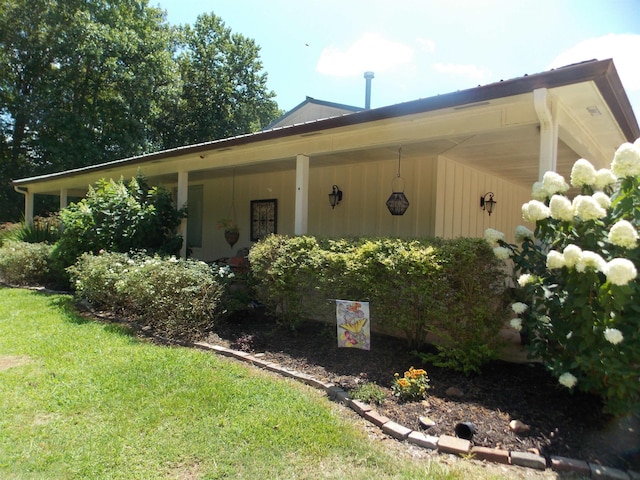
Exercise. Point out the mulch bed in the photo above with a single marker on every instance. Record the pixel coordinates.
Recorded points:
(561, 423)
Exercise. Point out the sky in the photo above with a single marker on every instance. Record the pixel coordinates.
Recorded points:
(421, 48)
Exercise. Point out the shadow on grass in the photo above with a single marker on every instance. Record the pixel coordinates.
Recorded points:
(68, 305)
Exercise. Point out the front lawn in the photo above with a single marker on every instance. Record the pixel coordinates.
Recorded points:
(80, 399)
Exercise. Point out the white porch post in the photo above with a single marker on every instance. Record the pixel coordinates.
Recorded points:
(181, 201)
(302, 194)
(28, 208)
(63, 198)
(548, 159)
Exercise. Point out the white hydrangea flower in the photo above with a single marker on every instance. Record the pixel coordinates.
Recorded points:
(492, 236)
(519, 307)
(560, 208)
(502, 253)
(613, 335)
(587, 208)
(522, 233)
(623, 234)
(604, 178)
(538, 192)
(626, 161)
(592, 260)
(571, 255)
(554, 183)
(569, 335)
(603, 199)
(583, 173)
(516, 323)
(545, 320)
(555, 260)
(535, 210)
(525, 279)
(568, 380)
(620, 271)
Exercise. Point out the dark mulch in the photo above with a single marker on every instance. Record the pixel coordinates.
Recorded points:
(561, 423)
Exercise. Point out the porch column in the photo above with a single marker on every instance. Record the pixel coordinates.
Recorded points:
(548, 158)
(181, 201)
(63, 198)
(302, 194)
(28, 208)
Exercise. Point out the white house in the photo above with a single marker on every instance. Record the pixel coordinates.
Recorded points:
(449, 151)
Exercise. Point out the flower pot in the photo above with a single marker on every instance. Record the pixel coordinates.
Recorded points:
(231, 237)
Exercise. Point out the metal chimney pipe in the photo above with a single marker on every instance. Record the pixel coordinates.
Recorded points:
(367, 97)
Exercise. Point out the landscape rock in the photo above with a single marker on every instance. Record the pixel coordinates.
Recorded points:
(426, 422)
(454, 392)
(519, 427)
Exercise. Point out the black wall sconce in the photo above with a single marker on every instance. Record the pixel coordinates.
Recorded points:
(487, 204)
(335, 197)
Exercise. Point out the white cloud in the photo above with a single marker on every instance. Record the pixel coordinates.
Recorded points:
(623, 48)
(426, 45)
(370, 52)
(472, 71)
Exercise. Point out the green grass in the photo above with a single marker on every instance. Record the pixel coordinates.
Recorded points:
(87, 400)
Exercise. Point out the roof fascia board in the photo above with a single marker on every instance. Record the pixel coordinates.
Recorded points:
(601, 72)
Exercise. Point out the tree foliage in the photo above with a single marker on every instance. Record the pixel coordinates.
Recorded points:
(224, 90)
(84, 82)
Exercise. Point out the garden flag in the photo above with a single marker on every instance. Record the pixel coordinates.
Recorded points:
(353, 324)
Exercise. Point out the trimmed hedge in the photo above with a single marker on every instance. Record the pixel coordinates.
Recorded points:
(23, 263)
(181, 298)
(448, 288)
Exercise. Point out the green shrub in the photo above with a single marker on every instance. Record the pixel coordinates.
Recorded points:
(23, 263)
(285, 270)
(450, 288)
(468, 328)
(42, 230)
(181, 298)
(368, 392)
(577, 273)
(119, 217)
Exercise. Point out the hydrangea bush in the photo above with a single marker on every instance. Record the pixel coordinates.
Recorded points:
(578, 300)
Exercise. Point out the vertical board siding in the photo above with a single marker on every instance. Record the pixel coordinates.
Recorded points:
(366, 188)
(459, 190)
(444, 199)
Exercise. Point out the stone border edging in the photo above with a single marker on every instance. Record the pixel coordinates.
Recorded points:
(443, 443)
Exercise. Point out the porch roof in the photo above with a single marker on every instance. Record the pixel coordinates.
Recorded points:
(493, 126)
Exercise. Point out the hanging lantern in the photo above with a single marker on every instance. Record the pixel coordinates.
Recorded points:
(398, 202)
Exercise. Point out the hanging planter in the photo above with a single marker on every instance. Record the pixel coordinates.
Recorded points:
(397, 202)
(231, 230)
(229, 224)
(231, 237)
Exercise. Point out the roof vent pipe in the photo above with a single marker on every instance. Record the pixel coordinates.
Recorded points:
(367, 97)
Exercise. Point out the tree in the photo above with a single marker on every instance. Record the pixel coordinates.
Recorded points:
(81, 82)
(224, 90)
(85, 82)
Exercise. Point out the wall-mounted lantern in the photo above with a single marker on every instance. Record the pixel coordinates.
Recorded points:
(335, 197)
(487, 203)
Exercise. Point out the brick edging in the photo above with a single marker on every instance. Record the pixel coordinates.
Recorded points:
(444, 443)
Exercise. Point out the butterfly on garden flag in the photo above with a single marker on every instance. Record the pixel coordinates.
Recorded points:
(353, 324)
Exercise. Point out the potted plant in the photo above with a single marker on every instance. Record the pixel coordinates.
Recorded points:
(231, 230)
